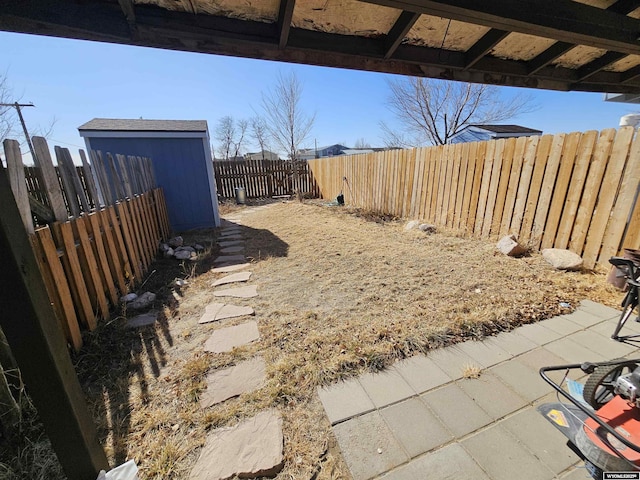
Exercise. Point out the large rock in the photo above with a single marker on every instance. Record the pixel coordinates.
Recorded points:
(143, 301)
(184, 254)
(411, 225)
(562, 259)
(233, 381)
(251, 449)
(509, 246)
(176, 242)
(427, 228)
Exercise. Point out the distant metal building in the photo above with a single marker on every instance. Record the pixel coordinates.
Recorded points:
(181, 156)
(480, 133)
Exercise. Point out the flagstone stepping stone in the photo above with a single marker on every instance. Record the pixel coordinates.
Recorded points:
(230, 259)
(251, 449)
(220, 311)
(230, 231)
(233, 278)
(248, 291)
(230, 267)
(234, 249)
(143, 320)
(230, 243)
(226, 339)
(235, 236)
(233, 381)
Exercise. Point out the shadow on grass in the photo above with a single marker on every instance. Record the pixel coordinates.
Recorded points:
(116, 363)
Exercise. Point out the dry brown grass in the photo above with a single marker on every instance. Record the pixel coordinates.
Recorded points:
(339, 295)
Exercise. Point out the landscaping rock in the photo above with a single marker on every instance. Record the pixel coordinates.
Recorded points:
(169, 253)
(562, 259)
(230, 382)
(198, 247)
(186, 249)
(251, 449)
(164, 247)
(233, 278)
(143, 320)
(228, 338)
(176, 242)
(509, 246)
(184, 255)
(143, 301)
(411, 225)
(427, 228)
(129, 297)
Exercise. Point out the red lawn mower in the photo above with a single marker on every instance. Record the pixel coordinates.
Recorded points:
(602, 418)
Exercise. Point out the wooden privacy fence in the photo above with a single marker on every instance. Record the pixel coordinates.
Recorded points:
(264, 178)
(575, 191)
(89, 255)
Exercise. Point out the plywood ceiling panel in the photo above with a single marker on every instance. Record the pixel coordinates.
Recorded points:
(519, 46)
(345, 17)
(578, 56)
(430, 32)
(257, 10)
(625, 64)
(597, 3)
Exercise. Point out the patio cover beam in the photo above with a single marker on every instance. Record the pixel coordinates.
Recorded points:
(562, 20)
(403, 25)
(284, 21)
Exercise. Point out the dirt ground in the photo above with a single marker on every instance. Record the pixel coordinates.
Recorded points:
(340, 293)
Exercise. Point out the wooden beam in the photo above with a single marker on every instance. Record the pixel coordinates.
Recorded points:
(128, 9)
(403, 25)
(630, 75)
(284, 21)
(37, 342)
(549, 55)
(483, 46)
(160, 28)
(593, 67)
(562, 20)
(558, 49)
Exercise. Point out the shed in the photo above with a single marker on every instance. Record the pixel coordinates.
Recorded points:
(479, 133)
(181, 156)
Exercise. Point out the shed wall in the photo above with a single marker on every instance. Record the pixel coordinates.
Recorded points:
(181, 170)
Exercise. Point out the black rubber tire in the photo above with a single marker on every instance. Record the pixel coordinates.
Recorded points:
(598, 389)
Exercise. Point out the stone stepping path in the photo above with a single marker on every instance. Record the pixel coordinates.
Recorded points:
(230, 243)
(248, 291)
(233, 381)
(226, 339)
(229, 267)
(230, 231)
(230, 259)
(233, 249)
(233, 278)
(252, 448)
(235, 236)
(143, 320)
(220, 311)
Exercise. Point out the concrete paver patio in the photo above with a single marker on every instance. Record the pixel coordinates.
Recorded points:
(421, 419)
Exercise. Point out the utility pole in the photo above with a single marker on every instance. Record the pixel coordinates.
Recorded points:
(18, 107)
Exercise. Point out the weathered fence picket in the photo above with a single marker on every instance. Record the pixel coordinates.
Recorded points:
(264, 178)
(89, 255)
(576, 191)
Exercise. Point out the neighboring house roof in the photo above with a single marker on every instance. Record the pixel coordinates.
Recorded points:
(356, 151)
(266, 154)
(143, 125)
(507, 129)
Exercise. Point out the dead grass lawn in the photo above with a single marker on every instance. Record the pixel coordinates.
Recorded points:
(339, 295)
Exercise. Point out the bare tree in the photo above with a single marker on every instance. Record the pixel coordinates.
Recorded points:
(361, 143)
(225, 134)
(432, 111)
(243, 125)
(287, 124)
(260, 133)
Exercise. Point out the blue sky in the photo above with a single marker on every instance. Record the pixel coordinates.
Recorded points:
(75, 81)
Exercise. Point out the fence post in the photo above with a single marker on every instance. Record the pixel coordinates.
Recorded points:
(40, 349)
